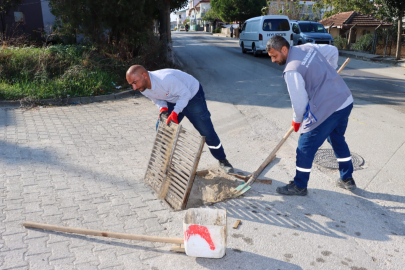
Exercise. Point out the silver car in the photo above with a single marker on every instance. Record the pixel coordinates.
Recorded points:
(310, 32)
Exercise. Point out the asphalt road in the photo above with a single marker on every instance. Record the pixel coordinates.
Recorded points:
(204, 53)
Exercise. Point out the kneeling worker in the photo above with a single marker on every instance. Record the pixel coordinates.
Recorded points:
(321, 102)
(178, 94)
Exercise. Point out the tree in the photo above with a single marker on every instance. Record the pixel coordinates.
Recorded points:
(5, 7)
(396, 8)
(237, 10)
(335, 6)
(96, 18)
(291, 9)
(122, 23)
(210, 16)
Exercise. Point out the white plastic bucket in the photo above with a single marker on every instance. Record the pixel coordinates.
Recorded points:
(205, 232)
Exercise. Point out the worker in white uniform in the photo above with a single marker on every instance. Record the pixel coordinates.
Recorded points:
(321, 103)
(178, 94)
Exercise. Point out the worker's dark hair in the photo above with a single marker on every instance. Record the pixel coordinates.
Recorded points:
(277, 42)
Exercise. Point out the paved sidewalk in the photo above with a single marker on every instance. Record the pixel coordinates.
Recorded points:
(373, 58)
(78, 166)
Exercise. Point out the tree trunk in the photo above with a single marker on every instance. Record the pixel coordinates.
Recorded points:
(3, 24)
(74, 37)
(164, 29)
(399, 44)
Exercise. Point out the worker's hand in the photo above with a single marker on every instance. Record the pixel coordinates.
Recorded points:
(296, 126)
(172, 117)
(163, 111)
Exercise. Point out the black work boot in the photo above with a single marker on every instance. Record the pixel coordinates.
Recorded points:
(226, 166)
(348, 184)
(292, 189)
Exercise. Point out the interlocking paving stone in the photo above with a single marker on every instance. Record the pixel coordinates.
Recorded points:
(78, 166)
(39, 261)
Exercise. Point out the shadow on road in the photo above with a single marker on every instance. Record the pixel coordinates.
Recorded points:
(342, 213)
(244, 259)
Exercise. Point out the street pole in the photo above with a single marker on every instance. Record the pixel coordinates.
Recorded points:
(398, 52)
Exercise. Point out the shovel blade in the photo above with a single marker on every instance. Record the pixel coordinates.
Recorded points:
(240, 190)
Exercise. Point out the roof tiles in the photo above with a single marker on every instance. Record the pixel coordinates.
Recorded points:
(350, 18)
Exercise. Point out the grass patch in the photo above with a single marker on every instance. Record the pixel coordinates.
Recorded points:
(58, 71)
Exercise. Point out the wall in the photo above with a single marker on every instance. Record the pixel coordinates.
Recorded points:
(33, 22)
(227, 32)
(360, 31)
(335, 32)
(48, 17)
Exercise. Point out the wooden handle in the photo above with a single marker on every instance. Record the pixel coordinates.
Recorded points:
(270, 158)
(344, 65)
(104, 234)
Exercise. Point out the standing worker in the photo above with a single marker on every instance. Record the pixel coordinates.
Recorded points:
(231, 30)
(178, 94)
(321, 102)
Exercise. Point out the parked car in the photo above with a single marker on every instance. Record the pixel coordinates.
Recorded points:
(256, 31)
(310, 32)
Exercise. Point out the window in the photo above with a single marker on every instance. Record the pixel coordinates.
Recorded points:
(312, 28)
(249, 27)
(276, 25)
(19, 17)
(295, 28)
(320, 28)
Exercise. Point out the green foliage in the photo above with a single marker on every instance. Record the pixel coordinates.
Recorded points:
(5, 8)
(394, 8)
(94, 18)
(237, 10)
(7, 5)
(291, 9)
(340, 42)
(335, 6)
(363, 43)
(210, 16)
(115, 22)
(217, 30)
(57, 72)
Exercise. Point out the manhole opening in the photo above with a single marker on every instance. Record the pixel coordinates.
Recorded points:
(326, 158)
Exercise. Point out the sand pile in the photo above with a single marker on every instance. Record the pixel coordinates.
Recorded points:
(211, 186)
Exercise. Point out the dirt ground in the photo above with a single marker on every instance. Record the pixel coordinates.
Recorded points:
(390, 50)
(212, 187)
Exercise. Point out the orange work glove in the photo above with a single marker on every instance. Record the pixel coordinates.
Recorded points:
(296, 126)
(163, 111)
(172, 117)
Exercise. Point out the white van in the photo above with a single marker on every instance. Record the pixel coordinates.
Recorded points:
(257, 31)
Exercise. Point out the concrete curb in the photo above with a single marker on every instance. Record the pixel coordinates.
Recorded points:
(74, 100)
(372, 58)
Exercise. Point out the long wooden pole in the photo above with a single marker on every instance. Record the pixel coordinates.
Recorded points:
(343, 65)
(104, 233)
(270, 158)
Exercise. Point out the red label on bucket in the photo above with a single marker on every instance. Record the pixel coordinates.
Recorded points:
(201, 231)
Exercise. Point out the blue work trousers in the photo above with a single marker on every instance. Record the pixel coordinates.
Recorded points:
(332, 129)
(197, 113)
